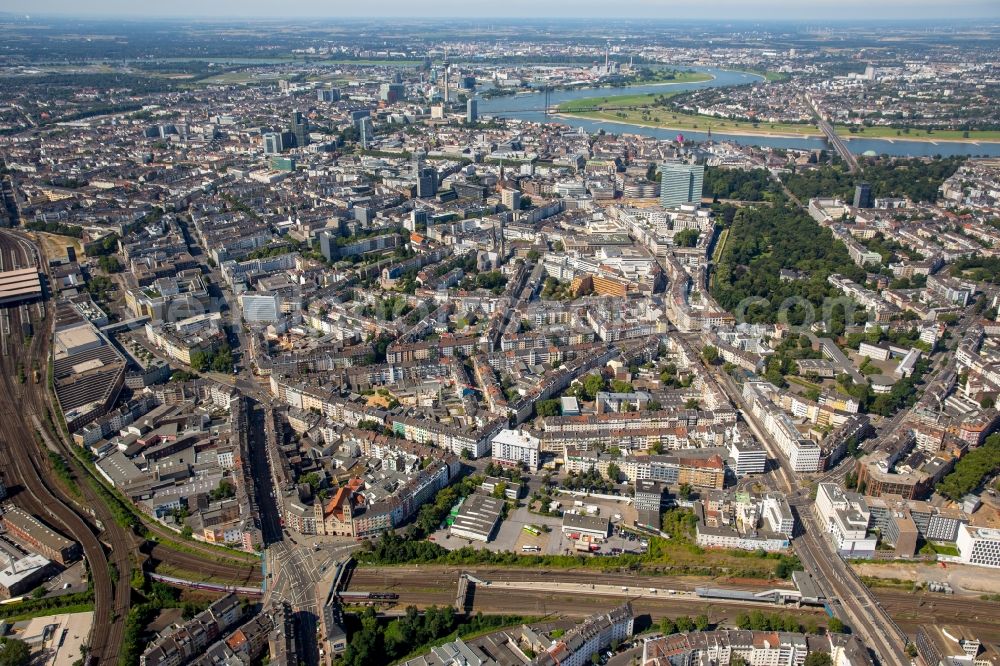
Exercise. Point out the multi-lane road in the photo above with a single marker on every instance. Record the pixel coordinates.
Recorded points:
(856, 605)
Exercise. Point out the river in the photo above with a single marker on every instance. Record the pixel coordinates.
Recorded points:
(530, 107)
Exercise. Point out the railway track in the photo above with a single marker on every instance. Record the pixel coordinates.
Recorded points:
(427, 585)
(23, 407)
(248, 575)
(910, 610)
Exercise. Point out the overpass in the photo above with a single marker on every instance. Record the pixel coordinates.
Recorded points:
(831, 136)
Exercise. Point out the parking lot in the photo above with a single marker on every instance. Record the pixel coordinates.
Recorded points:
(517, 533)
(68, 581)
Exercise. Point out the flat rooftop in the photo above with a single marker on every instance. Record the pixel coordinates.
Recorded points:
(20, 284)
(66, 634)
(38, 530)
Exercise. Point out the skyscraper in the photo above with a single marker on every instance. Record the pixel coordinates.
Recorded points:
(427, 182)
(511, 199)
(327, 94)
(863, 196)
(471, 111)
(299, 127)
(272, 143)
(392, 92)
(681, 184)
(366, 133)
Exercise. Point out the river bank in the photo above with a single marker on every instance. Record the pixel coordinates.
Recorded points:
(701, 124)
(531, 107)
(667, 126)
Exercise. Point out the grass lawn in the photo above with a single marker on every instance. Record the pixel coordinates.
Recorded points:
(803, 382)
(776, 76)
(681, 77)
(892, 583)
(611, 100)
(230, 79)
(720, 245)
(618, 108)
(769, 75)
(42, 612)
(667, 119)
(915, 134)
(944, 549)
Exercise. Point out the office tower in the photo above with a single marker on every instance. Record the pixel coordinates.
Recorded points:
(366, 132)
(427, 182)
(390, 93)
(272, 143)
(328, 95)
(417, 218)
(260, 306)
(468, 83)
(863, 196)
(471, 111)
(511, 199)
(681, 184)
(299, 127)
(328, 244)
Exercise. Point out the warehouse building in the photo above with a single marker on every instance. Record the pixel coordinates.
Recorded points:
(593, 526)
(39, 537)
(478, 518)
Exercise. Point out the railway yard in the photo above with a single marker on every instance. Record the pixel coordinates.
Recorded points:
(427, 585)
(23, 407)
(78, 511)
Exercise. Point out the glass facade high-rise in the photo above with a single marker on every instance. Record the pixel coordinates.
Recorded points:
(272, 143)
(427, 182)
(299, 127)
(680, 184)
(863, 196)
(366, 132)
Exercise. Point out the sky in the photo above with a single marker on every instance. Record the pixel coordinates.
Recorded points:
(757, 10)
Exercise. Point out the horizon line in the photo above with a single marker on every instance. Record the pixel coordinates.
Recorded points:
(147, 17)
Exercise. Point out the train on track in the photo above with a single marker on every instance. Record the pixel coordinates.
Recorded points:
(214, 587)
(368, 596)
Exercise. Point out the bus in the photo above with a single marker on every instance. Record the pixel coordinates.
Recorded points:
(531, 549)
(531, 529)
